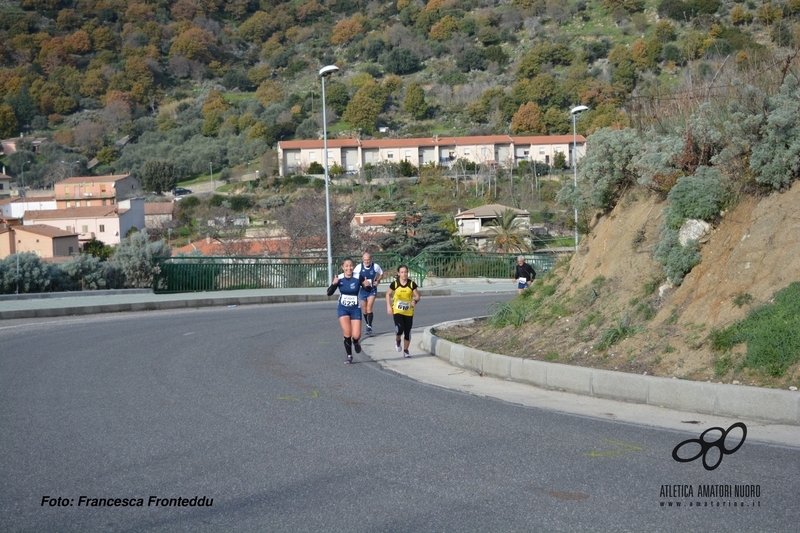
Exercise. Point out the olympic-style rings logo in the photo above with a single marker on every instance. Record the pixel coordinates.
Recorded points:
(707, 445)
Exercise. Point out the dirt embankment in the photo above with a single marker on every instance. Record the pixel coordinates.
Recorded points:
(752, 252)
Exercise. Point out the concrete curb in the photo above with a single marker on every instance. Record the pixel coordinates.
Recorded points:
(719, 399)
(72, 294)
(190, 301)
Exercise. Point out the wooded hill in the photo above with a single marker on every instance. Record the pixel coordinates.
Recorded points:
(199, 81)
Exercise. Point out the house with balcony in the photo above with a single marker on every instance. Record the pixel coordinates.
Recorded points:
(109, 223)
(489, 150)
(475, 225)
(96, 191)
(42, 240)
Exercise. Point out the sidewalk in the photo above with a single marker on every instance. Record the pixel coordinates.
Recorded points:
(773, 416)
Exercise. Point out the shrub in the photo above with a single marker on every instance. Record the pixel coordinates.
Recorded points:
(32, 275)
(677, 259)
(134, 258)
(316, 168)
(699, 196)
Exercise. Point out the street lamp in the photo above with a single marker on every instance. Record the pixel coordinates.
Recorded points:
(23, 174)
(70, 163)
(211, 172)
(324, 72)
(575, 111)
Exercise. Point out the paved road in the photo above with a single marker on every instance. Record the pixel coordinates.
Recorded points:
(252, 407)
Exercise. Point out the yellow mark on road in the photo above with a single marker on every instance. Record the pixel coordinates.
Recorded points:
(626, 448)
(314, 394)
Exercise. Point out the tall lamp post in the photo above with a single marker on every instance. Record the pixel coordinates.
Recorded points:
(575, 112)
(211, 172)
(324, 72)
(23, 174)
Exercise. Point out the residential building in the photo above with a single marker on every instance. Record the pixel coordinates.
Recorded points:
(42, 240)
(5, 184)
(94, 191)
(108, 224)
(158, 214)
(475, 224)
(16, 207)
(9, 146)
(503, 150)
(366, 225)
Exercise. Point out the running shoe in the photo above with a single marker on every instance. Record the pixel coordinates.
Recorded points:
(406, 354)
(348, 360)
(369, 329)
(357, 346)
(397, 347)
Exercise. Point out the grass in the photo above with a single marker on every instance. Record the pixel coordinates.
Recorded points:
(771, 332)
(194, 181)
(620, 331)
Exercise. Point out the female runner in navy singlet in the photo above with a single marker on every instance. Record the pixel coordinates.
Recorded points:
(349, 307)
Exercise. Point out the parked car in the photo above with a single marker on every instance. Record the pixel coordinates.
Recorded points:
(180, 191)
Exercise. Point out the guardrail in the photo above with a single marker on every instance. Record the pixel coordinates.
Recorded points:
(194, 274)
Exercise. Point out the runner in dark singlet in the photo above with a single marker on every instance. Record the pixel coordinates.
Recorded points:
(349, 308)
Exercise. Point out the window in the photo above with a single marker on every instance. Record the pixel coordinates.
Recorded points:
(526, 153)
(88, 203)
(330, 154)
(102, 228)
(84, 229)
(69, 229)
(70, 250)
(69, 204)
(390, 155)
(77, 203)
(87, 189)
(466, 151)
(408, 154)
(541, 150)
(102, 187)
(2, 186)
(66, 192)
(312, 155)
(483, 152)
(104, 202)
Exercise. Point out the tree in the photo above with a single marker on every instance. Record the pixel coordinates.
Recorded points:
(415, 230)
(528, 119)
(507, 234)
(337, 97)
(471, 59)
(345, 31)
(362, 112)
(415, 104)
(159, 175)
(401, 61)
(304, 222)
(97, 248)
(9, 126)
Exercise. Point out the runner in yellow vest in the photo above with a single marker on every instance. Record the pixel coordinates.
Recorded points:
(401, 299)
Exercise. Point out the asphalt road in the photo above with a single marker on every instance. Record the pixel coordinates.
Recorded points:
(253, 408)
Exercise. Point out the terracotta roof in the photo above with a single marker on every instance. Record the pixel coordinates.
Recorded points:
(547, 139)
(94, 179)
(374, 219)
(431, 141)
(73, 212)
(48, 231)
(490, 211)
(318, 143)
(158, 208)
(254, 247)
(5, 201)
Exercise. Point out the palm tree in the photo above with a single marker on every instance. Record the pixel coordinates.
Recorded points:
(506, 234)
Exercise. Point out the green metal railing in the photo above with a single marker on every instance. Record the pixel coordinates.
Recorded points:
(194, 274)
(478, 264)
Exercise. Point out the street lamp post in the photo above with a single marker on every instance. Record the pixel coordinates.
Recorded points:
(211, 172)
(324, 72)
(575, 111)
(23, 174)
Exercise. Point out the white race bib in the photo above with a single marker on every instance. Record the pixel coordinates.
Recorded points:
(522, 280)
(403, 306)
(348, 300)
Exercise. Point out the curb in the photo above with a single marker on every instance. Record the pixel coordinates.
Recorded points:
(157, 305)
(719, 399)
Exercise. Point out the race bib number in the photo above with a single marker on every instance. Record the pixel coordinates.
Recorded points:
(522, 280)
(403, 306)
(348, 300)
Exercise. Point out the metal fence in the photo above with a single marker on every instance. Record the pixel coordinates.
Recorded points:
(195, 274)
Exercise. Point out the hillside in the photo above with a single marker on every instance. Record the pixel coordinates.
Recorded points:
(752, 252)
